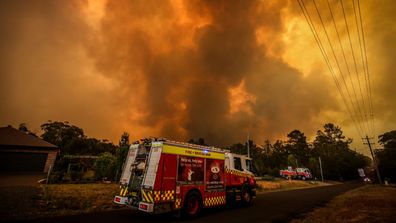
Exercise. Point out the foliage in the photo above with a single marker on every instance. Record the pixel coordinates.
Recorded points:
(339, 162)
(124, 140)
(105, 166)
(122, 153)
(23, 128)
(387, 156)
(71, 139)
(200, 141)
(297, 145)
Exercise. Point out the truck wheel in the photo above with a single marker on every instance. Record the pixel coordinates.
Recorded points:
(192, 205)
(303, 178)
(246, 198)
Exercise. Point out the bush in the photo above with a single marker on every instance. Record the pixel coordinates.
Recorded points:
(274, 172)
(56, 177)
(105, 166)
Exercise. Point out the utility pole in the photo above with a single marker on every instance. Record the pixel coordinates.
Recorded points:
(321, 170)
(374, 159)
(248, 149)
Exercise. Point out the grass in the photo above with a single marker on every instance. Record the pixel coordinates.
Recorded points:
(56, 199)
(369, 203)
(281, 184)
(79, 197)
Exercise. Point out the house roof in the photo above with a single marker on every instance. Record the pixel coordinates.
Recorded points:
(13, 137)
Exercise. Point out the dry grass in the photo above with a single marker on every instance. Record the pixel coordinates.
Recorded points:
(278, 185)
(366, 204)
(19, 203)
(79, 197)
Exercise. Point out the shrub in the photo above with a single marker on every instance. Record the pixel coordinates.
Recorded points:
(105, 166)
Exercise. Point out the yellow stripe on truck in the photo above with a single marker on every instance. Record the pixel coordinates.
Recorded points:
(192, 152)
(147, 196)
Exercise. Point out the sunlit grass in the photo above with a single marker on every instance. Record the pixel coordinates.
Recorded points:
(281, 184)
(366, 204)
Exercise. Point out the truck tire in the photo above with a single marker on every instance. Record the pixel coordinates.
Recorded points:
(192, 205)
(246, 197)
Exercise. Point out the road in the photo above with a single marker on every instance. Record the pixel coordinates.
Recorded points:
(269, 207)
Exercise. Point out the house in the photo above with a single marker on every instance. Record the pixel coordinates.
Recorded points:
(22, 152)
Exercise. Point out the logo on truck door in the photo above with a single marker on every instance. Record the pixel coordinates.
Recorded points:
(214, 174)
(190, 169)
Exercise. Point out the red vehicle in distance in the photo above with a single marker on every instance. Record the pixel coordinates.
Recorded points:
(298, 173)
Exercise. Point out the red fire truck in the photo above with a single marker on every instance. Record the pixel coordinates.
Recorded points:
(163, 176)
(299, 173)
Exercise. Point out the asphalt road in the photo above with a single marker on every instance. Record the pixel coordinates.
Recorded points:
(269, 207)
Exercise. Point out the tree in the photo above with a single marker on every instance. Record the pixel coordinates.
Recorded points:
(200, 141)
(298, 146)
(71, 139)
(338, 161)
(388, 140)
(122, 153)
(124, 140)
(387, 156)
(23, 128)
(291, 160)
(61, 133)
(238, 148)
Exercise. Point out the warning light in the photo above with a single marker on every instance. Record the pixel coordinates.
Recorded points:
(205, 151)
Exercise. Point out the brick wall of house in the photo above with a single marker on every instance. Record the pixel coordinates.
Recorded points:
(50, 160)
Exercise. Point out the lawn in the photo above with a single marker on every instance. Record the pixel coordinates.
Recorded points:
(365, 204)
(56, 199)
(82, 197)
(282, 184)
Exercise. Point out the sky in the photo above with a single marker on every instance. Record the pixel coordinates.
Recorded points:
(218, 70)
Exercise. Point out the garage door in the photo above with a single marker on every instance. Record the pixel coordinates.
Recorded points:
(22, 162)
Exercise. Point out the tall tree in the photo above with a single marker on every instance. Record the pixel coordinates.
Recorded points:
(61, 133)
(387, 155)
(124, 140)
(71, 139)
(338, 161)
(122, 153)
(388, 140)
(298, 146)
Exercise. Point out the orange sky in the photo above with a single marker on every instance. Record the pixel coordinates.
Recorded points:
(187, 69)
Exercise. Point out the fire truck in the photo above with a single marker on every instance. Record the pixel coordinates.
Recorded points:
(166, 176)
(299, 173)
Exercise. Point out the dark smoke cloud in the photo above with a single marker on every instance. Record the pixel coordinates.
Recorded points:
(225, 54)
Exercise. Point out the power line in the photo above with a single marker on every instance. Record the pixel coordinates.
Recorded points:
(363, 66)
(367, 68)
(362, 107)
(355, 108)
(345, 60)
(325, 56)
(364, 117)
